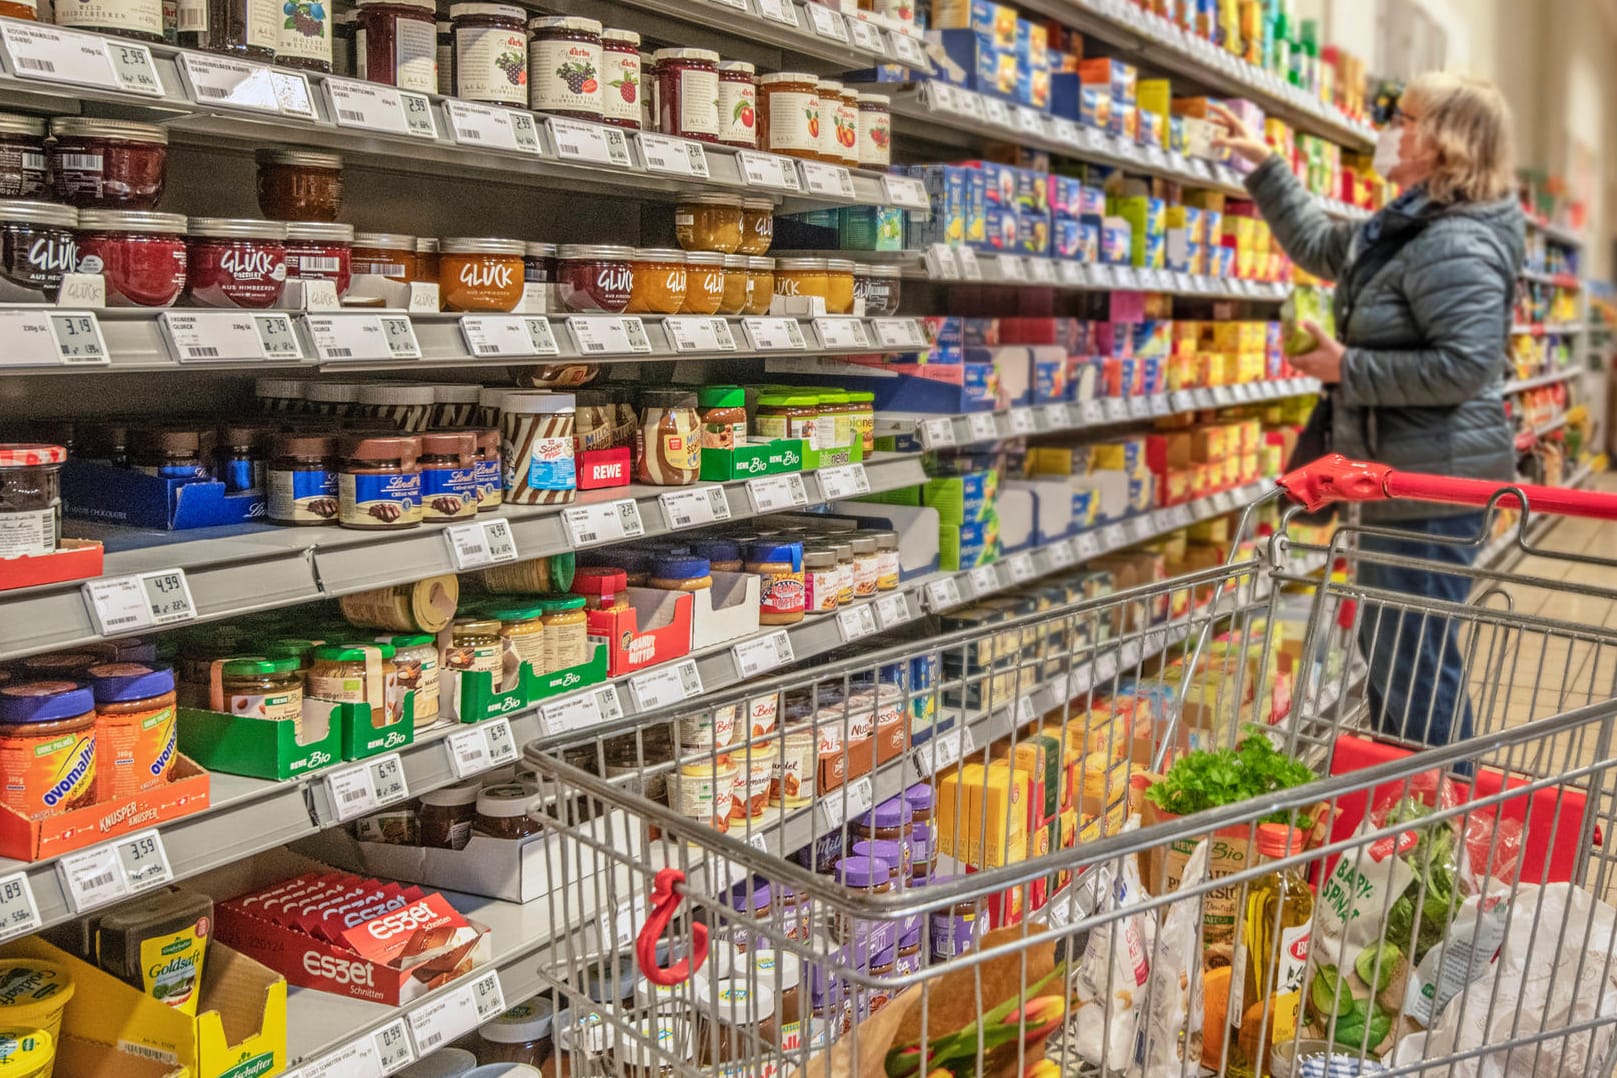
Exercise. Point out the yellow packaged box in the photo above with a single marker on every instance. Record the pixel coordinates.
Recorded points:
(1006, 791)
(960, 804)
(1156, 96)
(1209, 443)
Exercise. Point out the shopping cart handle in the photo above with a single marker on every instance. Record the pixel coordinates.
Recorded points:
(664, 901)
(1335, 478)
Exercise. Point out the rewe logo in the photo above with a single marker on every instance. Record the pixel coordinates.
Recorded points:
(338, 970)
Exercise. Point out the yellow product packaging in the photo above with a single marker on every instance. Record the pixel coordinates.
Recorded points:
(158, 944)
(959, 814)
(1005, 796)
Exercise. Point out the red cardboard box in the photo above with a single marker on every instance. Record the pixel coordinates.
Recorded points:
(654, 628)
(75, 559)
(599, 469)
(29, 840)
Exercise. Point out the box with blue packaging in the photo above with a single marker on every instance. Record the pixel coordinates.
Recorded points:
(1050, 385)
(1116, 242)
(932, 387)
(1064, 195)
(1071, 100)
(965, 497)
(989, 68)
(1092, 203)
(946, 190)
(996, 21)
(976, 206)
(980, 332)
(1033, 232)
(947, 334)
(999, 181)
(871, 228)
(1032, 190)
(1000, 228)
(1077, 240)
(95, 491)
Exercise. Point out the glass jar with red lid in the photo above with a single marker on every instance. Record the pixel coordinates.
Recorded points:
(296, 185)
(139, 254)
(246, 29)
(396, 43)
(594, 277)
(22, 156)
(564, 66)
(108, 164)
(688, 93)
(236, 262)
(37, 247)
(320, 251)
(621, 89)
(491, 53)
(738, 105)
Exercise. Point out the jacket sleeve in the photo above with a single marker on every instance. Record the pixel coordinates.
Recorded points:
(1459, 302)
(1312, 240)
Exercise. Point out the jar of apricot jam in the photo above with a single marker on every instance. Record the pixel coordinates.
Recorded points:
(480, 274)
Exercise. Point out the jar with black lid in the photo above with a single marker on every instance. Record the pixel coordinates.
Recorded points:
(22, 156)
(245, 29)
(37, 247)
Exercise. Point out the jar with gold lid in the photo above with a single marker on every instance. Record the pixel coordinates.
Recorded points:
(738, 105)
(384, 254)
(757, 226)
(709, 223)
(838, 286)
(737, 284)
(659, 281)
(796, 277)
(761, 284)
(704, 277)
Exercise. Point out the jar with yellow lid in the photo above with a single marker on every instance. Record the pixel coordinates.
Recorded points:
(659, 281)
(783, 415)
(708, 223)
(737, 284)
(863, 415)
(760, 284)
(522, 639)
(796, 277)
(474, 646)
(836, 420)
(838, 286)
(566, 633)
(704, 283)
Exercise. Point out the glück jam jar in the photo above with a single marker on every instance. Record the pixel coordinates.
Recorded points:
(594, 277)
(660, 281)
(110, 164)
(385, 254)
(37, 247)
(480, 274)
(140, 255)
(564, 67)
(236, 262)
(296, 185)
(318, 251)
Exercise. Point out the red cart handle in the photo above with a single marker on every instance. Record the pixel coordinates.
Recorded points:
(664, 901)
(1335, 478)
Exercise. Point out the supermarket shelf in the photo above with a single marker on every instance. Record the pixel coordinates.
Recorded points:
(1559, 280)
(1546, 329)
(1553, 377)
(261, 106)
(238, 570)
(937, 432)
(1526, 439)
(136, 342)
(1555, 232)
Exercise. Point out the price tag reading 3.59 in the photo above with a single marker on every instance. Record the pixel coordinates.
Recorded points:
(114, 870)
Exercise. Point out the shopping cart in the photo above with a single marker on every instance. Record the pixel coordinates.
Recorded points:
(941, 858)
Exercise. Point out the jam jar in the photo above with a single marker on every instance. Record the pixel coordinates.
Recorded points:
(320, 251)
(789, 114)
(704, 287)
(760, 284)
(757, 226)
(139, 254)
(426, 260)
(395, 42)
(564, 66)
(36, 248)
(847, 119)
(688, 93)
(446, 58)
(659, 281)
(594, 277)
(236, 262)
(795, 277)
(379, 486)
(385, 254)
(621, 79)
(875, 130)
(709, 223)
(829, 92)
(737, 285)
(491, 53)
(304, 37)
(245, 29)
(30, 498)
(879, 287)
(138, 19)
(111, 164)
(539, 277)
(22, 156)
(738, 105)
(296, 185)
(480, 274)
(838, 286)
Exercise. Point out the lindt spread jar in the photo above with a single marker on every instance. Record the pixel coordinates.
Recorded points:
(564, 66)
(738, 105)
(395, 42)
(789, 114)
(30, 499)
(385, 254)
(236, 262)
(491, 53)
(480, 274)
(297, 185)
(659, 281)
(875, 130)
(594, 277)
(140, 255)
(688, 93)
(448, 476)
(320, 251)
(36, 248)
(709, 223)
(22, 156)
(301, 480)
(621, 80)
(757, 226)
(704, 287)
(379, 486)
(111, 164)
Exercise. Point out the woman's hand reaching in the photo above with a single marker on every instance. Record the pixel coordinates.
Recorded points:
(1325, 361)
(1236, 137)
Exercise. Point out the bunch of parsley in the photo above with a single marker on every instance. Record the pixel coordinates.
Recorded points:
(1208, 779)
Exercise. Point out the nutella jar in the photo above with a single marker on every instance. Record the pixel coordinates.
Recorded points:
(446, 816)
(502, 812)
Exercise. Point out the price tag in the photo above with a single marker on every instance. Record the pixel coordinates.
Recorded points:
(114, 870)
(1112, 537)
(982, 426)
(1088, 546)
(940, 95)
(697, 334)
(970, 268)
(1057, 416)
(1029, 122)
(906, 192)
(867, 37)
(692, 507)
(1091, 413)
(1223, 396)
(909, 52)
(1060, 554)
(51, 54)
(446, 1017)
(900, 332)
(943, 594)
(843, 481)
(937, 433)
(1199, 169)
(480, 543)
(124, 604)
(1022, 422)
(1022, 568)
(19, 913)
(673, 156)
(827, 23)
(477, 748)
(373, 337)
(1138, 529)
(841, 333)
(1071, 274)
(1139, 408)
(774, 334)
(40, 337)
(665, 685)
(856, 798)
(833, 181)
(1116, 409)
(766, 169)
(222, 336)
(753, 657)
(593, 144)
(774, 493)
(603, 522)
(1041, 271)
(581, 710)
(997, 111)
(856, 622)
(971, 105)
(499, 335)
(366, 787)
(371, 106)
(1011, 268)
(1157, 405)
(940, 262)
(984, 580)
(781, 11)
(601, 335)
(892, 610)
(945, 752)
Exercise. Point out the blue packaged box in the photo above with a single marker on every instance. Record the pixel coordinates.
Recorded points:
(1033, 233)
(1092, 202)
(976, 204)
(1000, 228)
(1050, 375)
(112, 495)
(1065, 196)
(1071, 100)
(883, 73)
(1032, 190)
(970, 387)
(999, 181)
(989, 68)
(1065, 238)
(979, 332)
(946, 332)
(1116, 242)
(946, 189)
(1155, 253)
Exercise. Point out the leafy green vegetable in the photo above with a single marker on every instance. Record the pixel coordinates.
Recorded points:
(1420, 916)
(1327, 992)
(1207, 779)
(1377, 965)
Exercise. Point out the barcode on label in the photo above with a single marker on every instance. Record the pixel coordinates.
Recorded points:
(95, 883)
(128, 619)
(423, 1045)
(588, 537)
(28, 63)
(486, 349)
(90, 162)
(469, 134)
(351, 796)
(319, 263)
(339, 353)
(212, 91)
(595, 346)
(193, 16)
(351, 115)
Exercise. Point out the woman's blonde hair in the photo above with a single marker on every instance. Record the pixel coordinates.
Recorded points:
(1466, 123)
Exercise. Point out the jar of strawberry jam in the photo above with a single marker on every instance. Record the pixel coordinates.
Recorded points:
(236, 262)
(395, 42)
(688, 93)
(594, 277)
(320, 251)
(621, 88)
(108, 164)
(140, 255)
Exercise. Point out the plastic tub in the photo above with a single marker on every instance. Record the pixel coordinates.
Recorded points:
(33, 994)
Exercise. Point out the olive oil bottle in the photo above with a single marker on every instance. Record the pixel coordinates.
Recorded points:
(1271, 956)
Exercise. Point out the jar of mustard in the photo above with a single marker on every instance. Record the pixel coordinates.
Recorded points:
(797, 277)
(838, 286)
(737, 284)
(474, 646)
(709, 223)
(659, 281)
(757, 226)
(704, 283)
(522, 637)
(566, 631)
(760, 284)
(476, 274)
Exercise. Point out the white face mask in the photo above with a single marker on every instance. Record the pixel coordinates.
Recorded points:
(1388, 150)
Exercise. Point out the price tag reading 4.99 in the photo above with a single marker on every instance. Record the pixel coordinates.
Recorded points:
(127, 604)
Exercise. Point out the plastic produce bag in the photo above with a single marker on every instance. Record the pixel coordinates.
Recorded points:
(1173, 1003)
(1109, 987)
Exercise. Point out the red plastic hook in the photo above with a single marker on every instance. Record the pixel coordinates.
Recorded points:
(664, 902)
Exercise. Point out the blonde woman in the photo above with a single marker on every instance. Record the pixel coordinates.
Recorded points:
(1415, 378)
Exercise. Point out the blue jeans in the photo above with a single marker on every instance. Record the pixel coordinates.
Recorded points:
(1417, 676)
